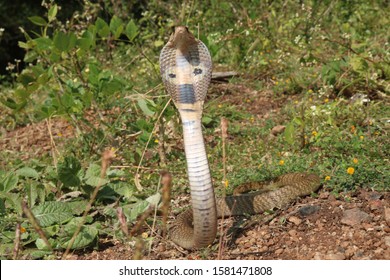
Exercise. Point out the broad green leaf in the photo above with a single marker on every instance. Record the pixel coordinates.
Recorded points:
(123, 189)
(133, 211)
(26, 78)
(64, 42)
(68, 172)
(43, 44)
(206, 120)
(86, 237)
(144, 107)
(14, 200)
(131, 30)
(102, 28)
(51, 15)
(52, 213)
(40, 21)
(78, 207)
(154, 199)
(41, 245)
(289, 133)
(27, 172)
(92, 176)
(116, 26)
(8, 182)
(61, 41)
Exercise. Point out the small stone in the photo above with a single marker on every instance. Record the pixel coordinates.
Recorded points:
(292, 232)
(387, 215)
(295, 220)
(263, 249)
(279, 251)
(324, 195)
(308, 210)
(375, 204)
(318, 256)
(350, 252)
(354, 216)
(387, 241)
(276, 130)
(367, 226)
(335, 256)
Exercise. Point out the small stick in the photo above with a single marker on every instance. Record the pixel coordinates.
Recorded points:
(35, 224)
(17, 242)
(161, 147)
(141, 220)
(139, 247)
(122, 221)
(224, 128)
(166, 182)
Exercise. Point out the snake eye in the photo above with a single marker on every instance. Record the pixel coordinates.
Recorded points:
(171, 75)
(197, 71)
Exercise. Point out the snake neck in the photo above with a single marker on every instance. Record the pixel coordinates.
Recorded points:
(202, 192)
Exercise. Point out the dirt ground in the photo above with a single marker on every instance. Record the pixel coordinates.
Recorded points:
(352, 225)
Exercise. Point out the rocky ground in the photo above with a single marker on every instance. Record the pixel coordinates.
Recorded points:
(353, 226)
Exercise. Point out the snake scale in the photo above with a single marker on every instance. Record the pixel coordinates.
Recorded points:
(186, 67)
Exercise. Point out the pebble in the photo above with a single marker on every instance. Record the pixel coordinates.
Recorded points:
(354, 216)
(324, 195)
(292, 232)
(387, 215)
(295, 220)
(279, 251)
(318, 256)
(387, 241)
(335, 256)
(308, 210)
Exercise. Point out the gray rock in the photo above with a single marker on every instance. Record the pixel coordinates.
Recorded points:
(354, 216)
(308, 210)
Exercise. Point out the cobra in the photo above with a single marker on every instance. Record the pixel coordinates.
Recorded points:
(186, 68)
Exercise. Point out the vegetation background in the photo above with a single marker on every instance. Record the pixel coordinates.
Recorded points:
(82, 77)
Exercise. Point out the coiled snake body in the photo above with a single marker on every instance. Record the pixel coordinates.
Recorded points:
(186, 67)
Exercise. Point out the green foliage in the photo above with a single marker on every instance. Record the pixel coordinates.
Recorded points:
(101, 75)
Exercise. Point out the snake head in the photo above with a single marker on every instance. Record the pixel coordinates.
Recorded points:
(181, 38)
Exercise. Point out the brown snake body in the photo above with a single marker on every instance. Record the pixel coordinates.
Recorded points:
(185, 66)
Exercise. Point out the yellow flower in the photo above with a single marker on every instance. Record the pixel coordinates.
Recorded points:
(145, 235)
(252, 119)
(361, 137)
(310, 91)
(327, 178)
(276, 83)
(355, 160)
(22, 229)
(314, 133)
(226, 183)
(156, 141)
(281, 162)
(248, 100)
(296, 102)
(310, 99)
(350, 170)
(219, 106)
(353, 129)
(287, 81)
